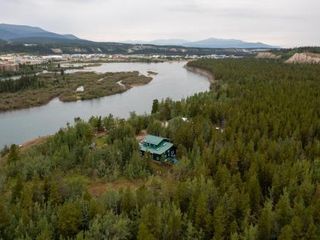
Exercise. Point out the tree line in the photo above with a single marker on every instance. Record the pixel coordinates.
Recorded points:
(24, 82)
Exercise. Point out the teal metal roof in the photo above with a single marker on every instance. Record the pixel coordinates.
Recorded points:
(159, 149)
(154, 140)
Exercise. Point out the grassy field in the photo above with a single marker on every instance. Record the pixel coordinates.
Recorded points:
(95, 85)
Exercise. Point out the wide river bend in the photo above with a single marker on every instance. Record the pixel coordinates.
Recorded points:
(172, 81)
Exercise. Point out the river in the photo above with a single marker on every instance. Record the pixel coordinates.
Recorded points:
(172, 81)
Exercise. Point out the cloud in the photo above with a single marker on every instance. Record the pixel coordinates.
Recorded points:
(188, 6)
(279, 22)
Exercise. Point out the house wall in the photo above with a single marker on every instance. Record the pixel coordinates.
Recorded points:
(170, 153)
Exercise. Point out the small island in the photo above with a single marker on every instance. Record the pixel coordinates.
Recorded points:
(36, 90)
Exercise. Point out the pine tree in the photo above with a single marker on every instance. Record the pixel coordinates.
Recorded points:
(265, 222)
(151, 218)
(155, 106)
(69, 219)
(144, 233)
(201, 210)
(17, 190)
(286, 233)
(283, 211)
(128, 201)
(219, 223)
(13, 155)
(174, 223)
(254, 193)
(4, 219)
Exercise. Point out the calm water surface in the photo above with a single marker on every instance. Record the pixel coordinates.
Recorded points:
(172, 81)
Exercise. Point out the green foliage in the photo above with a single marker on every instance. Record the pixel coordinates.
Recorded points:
(13, 155)
(4, 151)
(96, 123)
(4, 219)
(69, 219)
(22, 83)
(248, 166)
(109, 226)
(155, 106)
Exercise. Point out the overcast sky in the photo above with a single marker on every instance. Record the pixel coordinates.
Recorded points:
(286, 23)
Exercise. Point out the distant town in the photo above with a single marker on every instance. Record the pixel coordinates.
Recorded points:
(12, 62)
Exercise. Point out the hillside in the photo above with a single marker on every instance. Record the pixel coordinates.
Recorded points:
(10, 32)
(267, 55)
(248, 166)
(304, 58)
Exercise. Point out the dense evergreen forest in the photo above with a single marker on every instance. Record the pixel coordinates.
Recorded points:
(249, 166)
(25, 82)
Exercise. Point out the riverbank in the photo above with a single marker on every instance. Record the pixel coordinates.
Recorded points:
(202, 72)
(173, 81)
(70, 87)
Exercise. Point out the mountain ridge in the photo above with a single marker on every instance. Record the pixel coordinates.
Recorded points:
(12, 32)
(31, 34)
(206, 43)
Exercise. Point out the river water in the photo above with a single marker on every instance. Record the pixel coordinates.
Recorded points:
(173, 81)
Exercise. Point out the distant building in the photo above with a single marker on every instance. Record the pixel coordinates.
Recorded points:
(56, 50)
(161, 149)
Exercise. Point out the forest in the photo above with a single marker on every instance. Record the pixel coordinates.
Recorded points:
(249, 166)
(22, 83)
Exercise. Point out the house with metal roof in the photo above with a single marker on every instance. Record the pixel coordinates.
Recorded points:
(161, 149)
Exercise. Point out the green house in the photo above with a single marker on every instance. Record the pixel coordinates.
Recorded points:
(160, 148)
